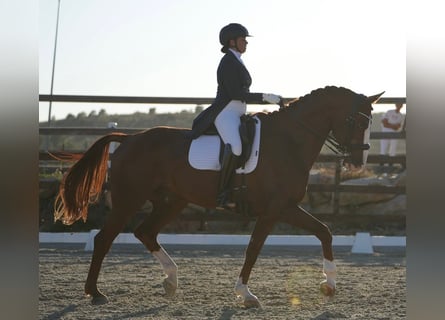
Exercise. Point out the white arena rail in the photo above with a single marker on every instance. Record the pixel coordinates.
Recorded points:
(362, 242)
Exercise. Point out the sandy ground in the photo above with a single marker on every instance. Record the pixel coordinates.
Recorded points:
(285, 279)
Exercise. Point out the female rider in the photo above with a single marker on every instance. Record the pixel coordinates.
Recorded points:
(229, 105)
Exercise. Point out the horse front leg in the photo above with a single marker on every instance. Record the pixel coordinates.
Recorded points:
(262, 229)
(300, 218)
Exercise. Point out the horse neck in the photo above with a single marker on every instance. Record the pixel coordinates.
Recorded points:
(308, 128)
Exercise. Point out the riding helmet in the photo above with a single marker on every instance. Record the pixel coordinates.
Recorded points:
(231, 31)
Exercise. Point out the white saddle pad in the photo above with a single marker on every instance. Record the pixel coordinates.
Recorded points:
(204, 152)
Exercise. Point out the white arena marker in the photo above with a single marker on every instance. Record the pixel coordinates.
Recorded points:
(362, 243)
(89, 245)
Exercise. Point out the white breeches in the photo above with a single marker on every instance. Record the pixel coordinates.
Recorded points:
(391, 143)
(227, 123)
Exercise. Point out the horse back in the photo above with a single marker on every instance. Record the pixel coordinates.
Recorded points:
(151, 149)
(160, 141)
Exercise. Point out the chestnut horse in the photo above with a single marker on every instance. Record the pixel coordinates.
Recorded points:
(153, 165)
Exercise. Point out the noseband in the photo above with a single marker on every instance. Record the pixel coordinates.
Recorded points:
(351, 123)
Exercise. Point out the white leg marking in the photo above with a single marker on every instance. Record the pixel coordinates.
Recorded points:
(170, 268)
(248, 297)
(330, 271)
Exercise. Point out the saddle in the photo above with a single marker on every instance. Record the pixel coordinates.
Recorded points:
(247, 131)
(247, 135)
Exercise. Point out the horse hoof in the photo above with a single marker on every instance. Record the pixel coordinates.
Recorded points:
(98, 300)
(326, 289)
(169, 287)
(252, 303)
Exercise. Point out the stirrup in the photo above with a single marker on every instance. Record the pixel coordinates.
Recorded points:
(228, 206)
(223, 203)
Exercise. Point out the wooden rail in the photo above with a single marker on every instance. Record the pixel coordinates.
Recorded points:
(160, 100)
(83, 131)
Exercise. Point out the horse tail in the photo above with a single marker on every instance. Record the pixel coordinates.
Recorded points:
(83, 182)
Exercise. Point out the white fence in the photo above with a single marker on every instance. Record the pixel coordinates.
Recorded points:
(362, 242)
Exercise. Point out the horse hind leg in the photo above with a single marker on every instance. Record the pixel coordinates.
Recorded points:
(163, 212)
(301, 219)
(102, 243)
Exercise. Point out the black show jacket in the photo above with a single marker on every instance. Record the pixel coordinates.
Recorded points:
(233, 84)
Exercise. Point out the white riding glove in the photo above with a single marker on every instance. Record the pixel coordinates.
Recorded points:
(271, 98)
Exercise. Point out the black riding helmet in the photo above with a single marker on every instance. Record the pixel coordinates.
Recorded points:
(231, 32)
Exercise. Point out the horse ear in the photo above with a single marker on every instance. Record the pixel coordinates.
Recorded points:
(375, 98)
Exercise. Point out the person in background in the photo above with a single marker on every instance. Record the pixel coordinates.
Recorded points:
(229, 105)
(392, 121)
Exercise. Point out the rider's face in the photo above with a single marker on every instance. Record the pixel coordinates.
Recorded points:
(240, 44)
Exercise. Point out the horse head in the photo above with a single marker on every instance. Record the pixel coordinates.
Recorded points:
(351, 129)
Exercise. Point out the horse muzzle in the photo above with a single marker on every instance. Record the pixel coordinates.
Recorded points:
(357, 155)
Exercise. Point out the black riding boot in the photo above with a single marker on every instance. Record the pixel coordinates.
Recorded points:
(228, 167)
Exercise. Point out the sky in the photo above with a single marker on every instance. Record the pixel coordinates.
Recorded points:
(170, 48)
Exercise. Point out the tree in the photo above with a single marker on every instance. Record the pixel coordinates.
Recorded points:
(199, 108)
(81, 115)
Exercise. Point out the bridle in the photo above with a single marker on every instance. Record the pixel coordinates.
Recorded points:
(346, 149)
(351, 122)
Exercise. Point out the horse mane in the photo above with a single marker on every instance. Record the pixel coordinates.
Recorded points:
(317, 94)
(310, 99)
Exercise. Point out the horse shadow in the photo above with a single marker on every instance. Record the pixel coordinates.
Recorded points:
(227, 314)
(72, 308)
(330, 315)
(149, 312)
(61, 313)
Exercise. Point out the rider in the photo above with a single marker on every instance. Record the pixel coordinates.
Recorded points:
(230, 104)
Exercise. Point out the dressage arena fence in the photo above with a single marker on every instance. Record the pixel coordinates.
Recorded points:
(45, 156)
(361, 243)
